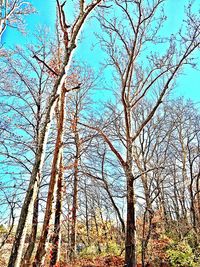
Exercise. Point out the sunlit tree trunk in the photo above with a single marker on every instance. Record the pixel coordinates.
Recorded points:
(57, 158)
(27, 256)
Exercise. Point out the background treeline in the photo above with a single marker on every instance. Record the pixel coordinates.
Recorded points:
(100, 168)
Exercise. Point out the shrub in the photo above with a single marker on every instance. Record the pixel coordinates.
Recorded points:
(113, 248)
(181, 255)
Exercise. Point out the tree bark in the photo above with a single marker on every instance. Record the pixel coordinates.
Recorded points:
(41, 250)
(130, 242)
(56, 240)
(27, 256)
(86, 214)
(75, 191)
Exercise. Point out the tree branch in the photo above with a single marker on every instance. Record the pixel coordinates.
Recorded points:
(106, 139)
(45, 64)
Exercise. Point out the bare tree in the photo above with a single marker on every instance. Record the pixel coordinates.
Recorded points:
(138, 75)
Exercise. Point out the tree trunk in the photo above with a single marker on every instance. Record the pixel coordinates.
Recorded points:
(97, 230)
(75, 191)
(130, 242)
(86, 214)
(198, 200)
(148, 216)
(18, 245)
(114, 206)
(56, 240)
(27, 256)
(41, 250)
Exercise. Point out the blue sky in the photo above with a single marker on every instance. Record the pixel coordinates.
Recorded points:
(187, 85)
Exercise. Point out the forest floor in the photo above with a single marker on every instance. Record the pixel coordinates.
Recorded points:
(107, 261)
(111, 261)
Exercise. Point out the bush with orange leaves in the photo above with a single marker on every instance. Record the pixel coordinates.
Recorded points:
(158, 242)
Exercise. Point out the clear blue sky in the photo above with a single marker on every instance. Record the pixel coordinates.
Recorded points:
(187, 86)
